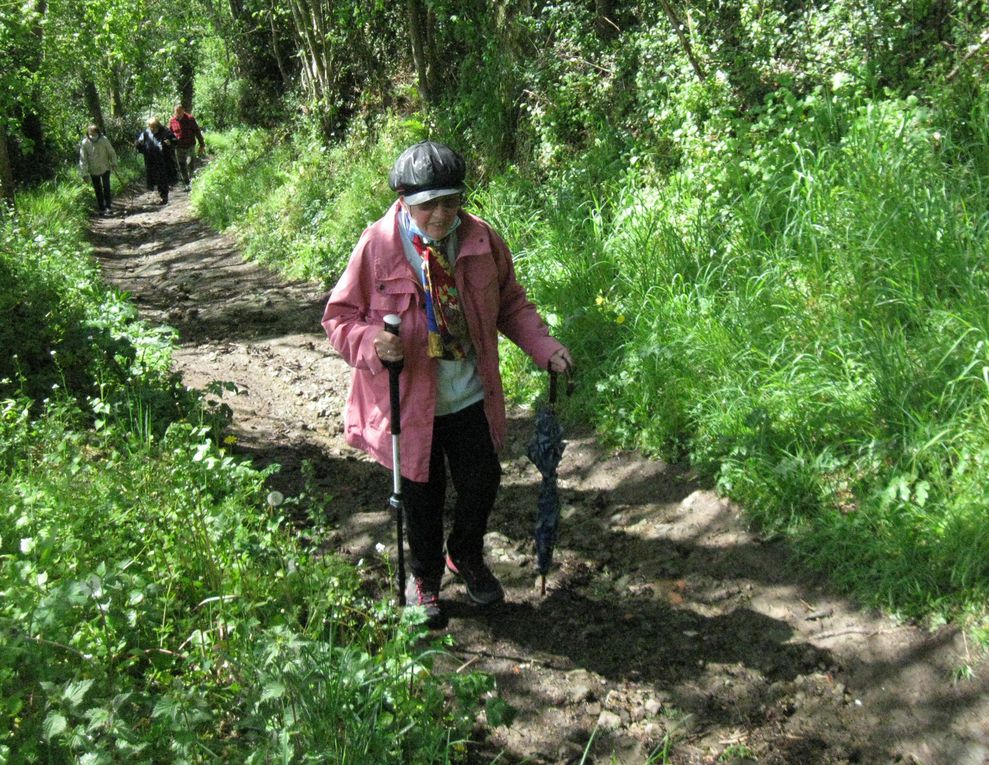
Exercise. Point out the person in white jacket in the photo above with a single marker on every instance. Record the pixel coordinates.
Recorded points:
(96, 159)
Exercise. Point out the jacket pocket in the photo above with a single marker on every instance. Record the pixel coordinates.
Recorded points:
(481, 283)
(393, 296)
(481, 272)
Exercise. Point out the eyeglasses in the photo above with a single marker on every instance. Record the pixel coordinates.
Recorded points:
(453, 202)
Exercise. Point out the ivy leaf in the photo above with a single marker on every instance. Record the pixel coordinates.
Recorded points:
(53, 725)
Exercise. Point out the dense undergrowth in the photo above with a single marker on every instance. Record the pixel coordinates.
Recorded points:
(798, 308)
(153, 606)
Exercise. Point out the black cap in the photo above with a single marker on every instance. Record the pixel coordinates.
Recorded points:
(426, 170)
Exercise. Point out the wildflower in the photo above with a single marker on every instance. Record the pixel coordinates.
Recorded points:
(599, 300)
(275, 498)
(231, 439)
(379, 548)
(620, 319)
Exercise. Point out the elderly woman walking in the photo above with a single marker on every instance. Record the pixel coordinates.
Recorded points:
(156, 142)
(96, 159)
(451, 280)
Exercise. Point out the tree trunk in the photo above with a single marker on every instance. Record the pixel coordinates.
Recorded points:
(6, 172)
(93, 103)
(423, 51)
(275, 51)
(34, 162)
(187, 77)
(684, 41)
(116, 95)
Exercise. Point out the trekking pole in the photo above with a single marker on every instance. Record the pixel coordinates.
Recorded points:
(392, 324)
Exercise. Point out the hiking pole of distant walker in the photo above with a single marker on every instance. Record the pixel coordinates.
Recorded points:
(392, 324)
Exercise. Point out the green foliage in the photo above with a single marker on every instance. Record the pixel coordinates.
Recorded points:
(192, 624)
(83, 337)
(152, 607)
(800, 309)
(295, 203)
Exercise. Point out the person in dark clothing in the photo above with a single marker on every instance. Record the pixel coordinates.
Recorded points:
(187, 134)
(155, 143)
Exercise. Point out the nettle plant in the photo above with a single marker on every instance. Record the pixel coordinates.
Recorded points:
(153, 607)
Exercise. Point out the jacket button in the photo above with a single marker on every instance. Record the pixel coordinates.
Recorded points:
(381, 288)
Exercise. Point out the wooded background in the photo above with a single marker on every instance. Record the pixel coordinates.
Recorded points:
(516, 81)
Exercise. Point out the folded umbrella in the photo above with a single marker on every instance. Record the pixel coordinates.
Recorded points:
(546, 450)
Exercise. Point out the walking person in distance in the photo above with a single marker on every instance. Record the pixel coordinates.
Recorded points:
(155, 142)
(451, 280)
(96, 159)
(187, 134)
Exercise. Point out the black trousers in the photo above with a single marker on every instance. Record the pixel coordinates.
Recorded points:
(101, 185)
(461, 441)
(159, 177)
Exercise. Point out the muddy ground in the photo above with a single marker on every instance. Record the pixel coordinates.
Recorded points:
(669, 629)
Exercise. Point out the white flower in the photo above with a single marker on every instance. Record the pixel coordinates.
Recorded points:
(275, 498)
(379, 548)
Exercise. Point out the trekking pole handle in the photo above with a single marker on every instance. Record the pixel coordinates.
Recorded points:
(392, 325)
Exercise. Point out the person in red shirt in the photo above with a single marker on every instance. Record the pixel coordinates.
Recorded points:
(187, 134)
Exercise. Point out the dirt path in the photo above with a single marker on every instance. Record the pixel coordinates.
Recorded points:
(665, 618)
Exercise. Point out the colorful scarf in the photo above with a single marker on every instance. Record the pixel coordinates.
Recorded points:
(444, 316)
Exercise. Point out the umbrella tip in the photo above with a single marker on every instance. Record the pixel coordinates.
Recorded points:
(542, 583)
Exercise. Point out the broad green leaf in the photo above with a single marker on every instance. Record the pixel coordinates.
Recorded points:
(73, 693)
(272, 690)
(54, 725)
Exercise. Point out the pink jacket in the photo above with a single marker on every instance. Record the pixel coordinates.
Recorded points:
(378, 281)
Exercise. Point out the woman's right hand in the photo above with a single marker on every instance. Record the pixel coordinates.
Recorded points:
(388, 347)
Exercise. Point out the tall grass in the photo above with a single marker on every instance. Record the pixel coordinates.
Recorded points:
(295, 204)
(816, 341)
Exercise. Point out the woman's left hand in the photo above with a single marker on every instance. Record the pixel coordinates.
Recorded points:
(560, 361)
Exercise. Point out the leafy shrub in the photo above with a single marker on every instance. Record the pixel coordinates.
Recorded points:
(153, 606)
(296, 204)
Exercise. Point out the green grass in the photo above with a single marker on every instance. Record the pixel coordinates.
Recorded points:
(294, 204)
(816, 343)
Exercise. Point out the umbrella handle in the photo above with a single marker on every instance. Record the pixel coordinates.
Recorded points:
(392, 325)
(571, 383)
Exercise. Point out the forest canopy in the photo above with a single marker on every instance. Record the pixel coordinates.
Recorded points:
(518, 82)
